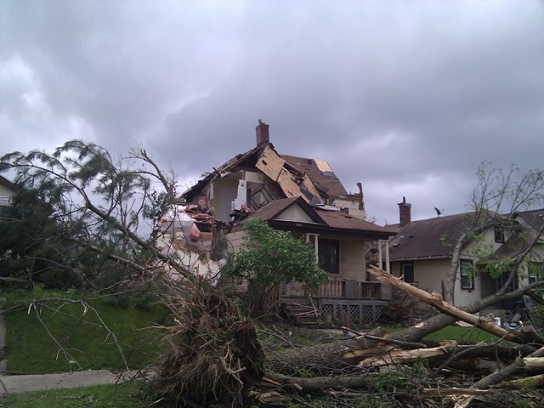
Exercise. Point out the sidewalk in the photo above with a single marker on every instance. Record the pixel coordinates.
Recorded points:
(12, 384)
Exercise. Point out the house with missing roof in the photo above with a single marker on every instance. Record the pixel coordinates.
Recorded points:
(295, 194)
(421, 253)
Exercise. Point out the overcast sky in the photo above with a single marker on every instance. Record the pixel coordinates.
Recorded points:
(408, 97)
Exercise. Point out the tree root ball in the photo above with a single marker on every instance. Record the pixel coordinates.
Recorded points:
(214, 355)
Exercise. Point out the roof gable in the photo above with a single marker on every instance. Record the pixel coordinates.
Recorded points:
(293, 209)
(296, 214)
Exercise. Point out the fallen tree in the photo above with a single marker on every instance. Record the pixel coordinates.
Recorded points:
(215, 356)
(356, 362)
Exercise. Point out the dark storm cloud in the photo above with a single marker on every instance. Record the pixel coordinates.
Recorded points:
(407, 97)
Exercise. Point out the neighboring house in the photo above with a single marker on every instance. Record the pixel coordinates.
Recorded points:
(531, 233)
(7, 191)
(421, 253)
(302, 196)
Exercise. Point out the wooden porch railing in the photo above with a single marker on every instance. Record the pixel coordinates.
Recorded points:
(350, 289)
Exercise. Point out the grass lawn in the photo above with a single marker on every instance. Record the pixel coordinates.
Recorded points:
(87, 344)
(467, 334)
(126, 395)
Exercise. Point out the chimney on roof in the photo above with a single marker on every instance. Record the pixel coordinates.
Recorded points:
(262, 133)
(405, 212)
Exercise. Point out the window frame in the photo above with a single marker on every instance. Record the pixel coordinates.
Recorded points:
(465, 272)
(412, 272)
(499, 235)
(324, 244)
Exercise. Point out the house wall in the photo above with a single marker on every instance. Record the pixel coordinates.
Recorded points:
(354, 206)
(352, 259)
(234, 240)
(464, 297)
(430, 275)
(5, 195)
(223, 192)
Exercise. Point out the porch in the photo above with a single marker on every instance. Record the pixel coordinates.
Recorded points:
(341, 300)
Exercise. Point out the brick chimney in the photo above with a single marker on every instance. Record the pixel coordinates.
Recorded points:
(405, 212)
(262, 133)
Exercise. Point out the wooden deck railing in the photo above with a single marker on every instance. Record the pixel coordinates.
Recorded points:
(350, 289)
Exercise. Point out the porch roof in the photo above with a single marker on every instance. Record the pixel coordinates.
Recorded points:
(323, 221)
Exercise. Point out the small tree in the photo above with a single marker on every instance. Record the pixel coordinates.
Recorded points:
(268, 258)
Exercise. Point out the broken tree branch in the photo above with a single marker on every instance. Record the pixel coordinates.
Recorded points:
(436, 301)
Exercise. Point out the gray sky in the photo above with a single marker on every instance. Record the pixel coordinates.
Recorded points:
(408, 97)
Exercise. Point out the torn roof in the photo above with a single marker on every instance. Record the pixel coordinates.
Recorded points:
(311, 179)
(322, 221)
(431, 238)
(320, 173)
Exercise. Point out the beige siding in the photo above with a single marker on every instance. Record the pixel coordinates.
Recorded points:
(235, 240)
(5, 195)
(296, 214)
(223, 193)
(352, 260)
(430, 274)
(464, 297)
(354, 206)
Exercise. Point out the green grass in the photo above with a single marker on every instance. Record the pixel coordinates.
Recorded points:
(467, 334)
(125, 395)
(87, 343)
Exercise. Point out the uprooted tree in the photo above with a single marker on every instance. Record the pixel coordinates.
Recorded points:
(96, 208)
(97, 205)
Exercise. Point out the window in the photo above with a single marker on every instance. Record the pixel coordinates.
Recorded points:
(535, 271)
(329, 255)
(467, 275)
(407, 272)
(499, 235)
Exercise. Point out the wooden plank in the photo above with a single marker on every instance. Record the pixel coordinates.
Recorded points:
(289, 186)
(270, 163)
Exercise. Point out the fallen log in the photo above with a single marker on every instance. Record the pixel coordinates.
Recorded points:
(533, 381)
(403, 357)
(437, 302)
(533, 363)
(446, 392)
(317, 384)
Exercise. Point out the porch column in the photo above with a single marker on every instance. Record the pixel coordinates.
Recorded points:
(315, 243)
(386, 246)
(387, 267)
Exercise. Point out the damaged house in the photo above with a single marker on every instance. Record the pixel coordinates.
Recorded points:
(299, 195)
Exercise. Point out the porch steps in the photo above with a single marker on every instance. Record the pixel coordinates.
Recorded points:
(302, 314)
